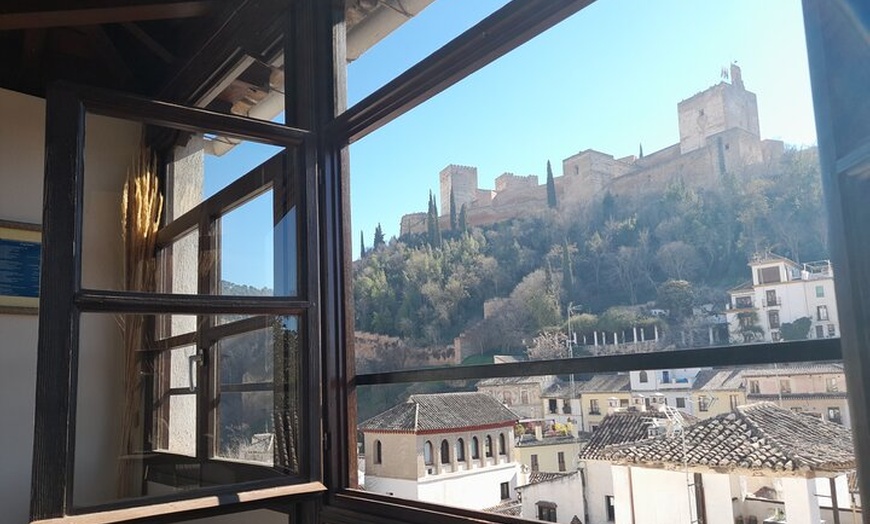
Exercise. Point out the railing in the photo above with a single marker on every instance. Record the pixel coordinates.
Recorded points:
(770, 303)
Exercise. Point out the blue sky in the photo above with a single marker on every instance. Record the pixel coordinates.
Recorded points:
(608, 78)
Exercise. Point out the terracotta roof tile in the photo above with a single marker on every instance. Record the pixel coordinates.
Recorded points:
(442, 411)
(619, 428)
(758, 436)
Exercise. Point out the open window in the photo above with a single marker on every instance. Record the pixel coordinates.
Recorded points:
(214, 336)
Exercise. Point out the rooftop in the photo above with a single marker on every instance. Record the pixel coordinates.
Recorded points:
(538, 477)
(758, 436)
(789, 370)
(619, 428)
(441, 412)
(605, 384)
(718, 379)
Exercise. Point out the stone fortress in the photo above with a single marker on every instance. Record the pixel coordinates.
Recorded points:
(719, 133)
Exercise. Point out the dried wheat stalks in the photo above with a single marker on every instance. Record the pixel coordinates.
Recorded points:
(141, 208)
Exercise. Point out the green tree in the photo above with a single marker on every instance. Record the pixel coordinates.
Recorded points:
(799, 329)
(678, 297)
(551, 187)
(362, 245)
(463, 219)
(379, 237)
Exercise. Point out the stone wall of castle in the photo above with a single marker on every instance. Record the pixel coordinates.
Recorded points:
(719, 133)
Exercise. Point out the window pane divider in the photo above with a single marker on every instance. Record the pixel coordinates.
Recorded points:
(185, 118)
(89, 300)
(743, 355)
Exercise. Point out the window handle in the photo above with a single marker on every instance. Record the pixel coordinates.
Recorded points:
(192, 362)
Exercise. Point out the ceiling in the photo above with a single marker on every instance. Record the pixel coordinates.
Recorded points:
(221, 54)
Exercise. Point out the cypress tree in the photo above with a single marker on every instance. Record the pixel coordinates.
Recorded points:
(551, 186)
(362, 245)
(437, 227)
(567, 270)
(452, 210)
(640, 152)
(379, 237)
(431, 219)
(463, 219)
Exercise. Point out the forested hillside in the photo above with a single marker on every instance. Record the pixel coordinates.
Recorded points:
(429, 288)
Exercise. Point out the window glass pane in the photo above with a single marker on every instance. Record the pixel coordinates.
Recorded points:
(375, 59)
(571, 212)
(806, 426)
(246, 249)
(232, 245)
(258, 393)
(602, 216)
(160, 408)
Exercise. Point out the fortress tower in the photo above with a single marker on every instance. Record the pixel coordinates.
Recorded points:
(463, 181)
(717, 109)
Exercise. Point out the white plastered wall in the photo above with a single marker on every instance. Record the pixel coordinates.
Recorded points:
(21, 173)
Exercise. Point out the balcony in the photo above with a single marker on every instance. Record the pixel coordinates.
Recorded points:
(772, 302)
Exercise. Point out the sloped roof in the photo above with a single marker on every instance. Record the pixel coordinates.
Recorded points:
(759, 436)
(508, 381)
(513, 508)
(440, 412)
(605, 384)
(718, 379)
(562, 389)
(619, 428)
(539, 476)
(785, 369)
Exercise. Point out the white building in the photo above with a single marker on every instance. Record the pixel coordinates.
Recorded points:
(671, 387)
(782, 291)
(749, 465)
(447, 448)
(617, 428)
(553, 497)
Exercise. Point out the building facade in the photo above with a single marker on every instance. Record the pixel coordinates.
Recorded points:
(783, 292)
(449, 448)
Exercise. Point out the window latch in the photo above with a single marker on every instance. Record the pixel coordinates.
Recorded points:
(192, 362)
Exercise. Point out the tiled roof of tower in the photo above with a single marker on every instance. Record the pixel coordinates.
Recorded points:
(441, 412)
(758, 436)
(619, 428)
(718, 379)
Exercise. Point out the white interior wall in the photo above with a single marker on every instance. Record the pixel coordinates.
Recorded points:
(21, 173)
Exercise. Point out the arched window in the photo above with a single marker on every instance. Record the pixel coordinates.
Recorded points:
(378, 452)
(460, 450)
(643, 377)
(427, 453)
(488, 449)
(475, 448)
(501, 444)
(524, 397)
(507, 398)
(445, 452)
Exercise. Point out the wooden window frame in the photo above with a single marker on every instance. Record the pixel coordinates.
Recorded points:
(54, 441)
(477, 47)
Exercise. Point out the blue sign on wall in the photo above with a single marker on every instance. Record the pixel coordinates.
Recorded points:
(19, 268)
